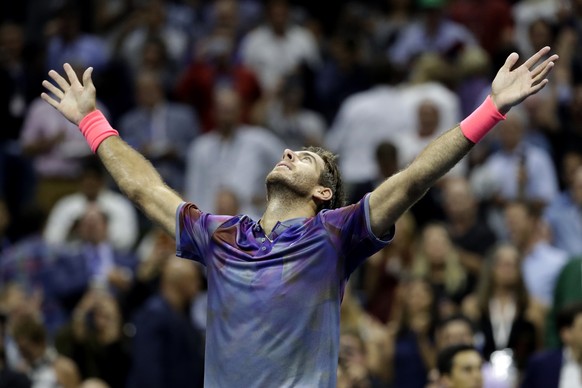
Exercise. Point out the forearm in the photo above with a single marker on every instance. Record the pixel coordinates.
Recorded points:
(138, 179)
(436, 160)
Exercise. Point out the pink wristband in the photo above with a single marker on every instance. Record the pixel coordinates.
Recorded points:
(96, 128)
(481, 121)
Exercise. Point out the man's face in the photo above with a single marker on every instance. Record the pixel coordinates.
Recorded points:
(577, 186)
(519, 223)
(299, 171)
(466, 371)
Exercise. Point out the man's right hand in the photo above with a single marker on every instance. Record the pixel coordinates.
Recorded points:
(73, 99)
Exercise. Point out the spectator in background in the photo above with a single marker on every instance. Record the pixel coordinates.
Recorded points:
(432, 33)
(506, 315)
(541, 263)
(149, 19)
(286, 116)
(460, 367)
(91, 261)
(159, 129)
(28, 264)
(414, 354)
(386, 269)
(470, 234)
(121, 215)
(342, 74)
(491, 22)
(9, 378)
(392, 18)
(233, 156)
(438, 261)
(44, 366)
(518, 171)
(353, 369)
(167, 350)
(154, 59)
(559, 367)
(564, 215)
(94, 339)
(69, 44)
(278, 47)
(214, 67)
(18, 79)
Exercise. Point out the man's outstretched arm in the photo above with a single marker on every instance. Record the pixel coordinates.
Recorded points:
(395, 195)
(134, 175)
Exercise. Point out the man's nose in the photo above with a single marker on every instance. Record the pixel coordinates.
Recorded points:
(288, 154)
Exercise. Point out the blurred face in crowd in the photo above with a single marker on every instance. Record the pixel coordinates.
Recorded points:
(106, 312)
(93, 226)
(149, 91)
(278, 12)
(456, 332)
(540, 34)
(183, 276)
(91, 185)
(227, 109)
(11, 40)
(459, 200)
(418, 296)
(351, 350)
(4, 217)
(519, 224)
(428, 119)
(466, 371)
(570, 163)
(506, 266)
(436, 244)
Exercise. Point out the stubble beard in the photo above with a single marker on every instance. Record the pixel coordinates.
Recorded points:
(283, 187)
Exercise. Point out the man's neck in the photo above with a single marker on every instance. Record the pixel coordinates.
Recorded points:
(282, 209)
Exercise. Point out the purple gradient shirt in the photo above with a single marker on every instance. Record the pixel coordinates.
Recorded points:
(274, 301)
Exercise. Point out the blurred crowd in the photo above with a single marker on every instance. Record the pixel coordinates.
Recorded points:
(212, 92)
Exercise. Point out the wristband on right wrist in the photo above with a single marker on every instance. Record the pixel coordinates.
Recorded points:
(96, 128)
(481, 121)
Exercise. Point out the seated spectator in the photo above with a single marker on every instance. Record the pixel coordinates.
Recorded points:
(385, 269)
(4, 223)
(470, 234)
(414, 354)
(278, 47)
(94, 339)
(70, 44)
(438, 262)
(121, 215)
(518, 171)
(9, 378)
(215, 67)
(540, 262)
(167, 349)
(285, 115)
(353, 369)
(44, 366)
(432, 33)
(159, 129)
(460, 367)
(505, 313)
(91, 261)
(559, 367)
(564, 217)
(566, 292)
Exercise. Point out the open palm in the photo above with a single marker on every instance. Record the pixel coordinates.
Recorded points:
(73, 99)
(510, 87)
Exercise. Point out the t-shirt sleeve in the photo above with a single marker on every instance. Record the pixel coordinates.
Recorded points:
(194, 229)
(351, 232)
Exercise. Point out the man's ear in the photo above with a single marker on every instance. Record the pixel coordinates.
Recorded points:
(323, 193)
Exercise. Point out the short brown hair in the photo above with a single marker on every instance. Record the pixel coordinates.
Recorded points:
(330, 178)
